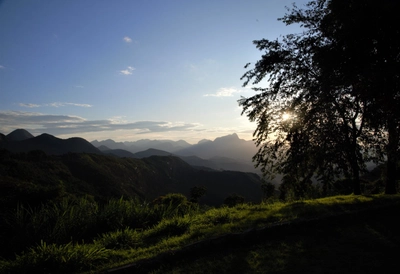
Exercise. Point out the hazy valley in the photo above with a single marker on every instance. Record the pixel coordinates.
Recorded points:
(146, 168)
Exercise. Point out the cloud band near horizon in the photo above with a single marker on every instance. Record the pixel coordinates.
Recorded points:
(38, 123)
(54, 104)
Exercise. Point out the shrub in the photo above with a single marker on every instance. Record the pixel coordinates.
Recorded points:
(197, 192)
(268, 189)
(120, 239)
(233, 200)
(218, 216)
(173, 199)
(173, 204)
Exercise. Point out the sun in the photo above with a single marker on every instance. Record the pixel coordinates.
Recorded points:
(286, 116)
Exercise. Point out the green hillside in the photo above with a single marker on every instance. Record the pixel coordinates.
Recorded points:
(93, 213)
(365, 241)
(341, 234)
(34, 177)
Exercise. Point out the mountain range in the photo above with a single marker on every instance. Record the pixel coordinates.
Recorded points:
(44, 167)
(224, 153)
(21, 140)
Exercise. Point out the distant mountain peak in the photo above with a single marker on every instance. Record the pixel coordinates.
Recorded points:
(46, 136)
(19, 135)
(204, 141)
(231, 137)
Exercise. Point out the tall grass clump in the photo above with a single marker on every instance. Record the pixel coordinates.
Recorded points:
(174, 204)
(53, 258)
(217, 216)
(70, 220)
(15, 230)
(120, 239)
(56, 222)
(167, 228)
(77, 219)
(119, 213)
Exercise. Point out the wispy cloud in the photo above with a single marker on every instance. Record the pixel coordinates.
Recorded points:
(55, 104)
(29, 105)
(127, 71)
(79, 105)
(38, 123)
(59, 104)
(2, 67)
(223, 92)
(78, 86)
(127, 39)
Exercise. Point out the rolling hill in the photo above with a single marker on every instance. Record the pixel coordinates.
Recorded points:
(19, 135)
(44, 167)
(229, 146)
(16, 142)
(35, 177)
(224, 153)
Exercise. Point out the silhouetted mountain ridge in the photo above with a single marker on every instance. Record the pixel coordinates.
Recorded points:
(151, 152)
(49, 144)
(224, 153)
(229, 146)
(19, 135)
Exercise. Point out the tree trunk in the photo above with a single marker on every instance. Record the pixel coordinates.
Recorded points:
(352, 156)
(356, 177)
(356, 182)
(391, 157)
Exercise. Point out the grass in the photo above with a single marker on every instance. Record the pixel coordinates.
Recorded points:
(366, 242)
(259, 238)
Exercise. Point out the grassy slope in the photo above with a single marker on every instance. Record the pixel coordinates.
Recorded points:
(343, 234)
(360, 243)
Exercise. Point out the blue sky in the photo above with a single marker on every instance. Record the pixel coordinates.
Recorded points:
(131, 69)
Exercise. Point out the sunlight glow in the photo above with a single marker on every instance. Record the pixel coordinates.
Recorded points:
(286, 116)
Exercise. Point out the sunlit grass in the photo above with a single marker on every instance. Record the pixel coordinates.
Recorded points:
(166, 229)
(363, 243)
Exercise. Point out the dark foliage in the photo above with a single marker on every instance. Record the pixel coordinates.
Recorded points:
(233, 200)
(335, 80)
(197, 192)
(34, 178)
(268, 190)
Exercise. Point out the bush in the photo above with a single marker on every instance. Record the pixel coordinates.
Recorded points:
(196, 193)
(268, 189)
(172, 199)
(233, 200)
(218, 216)
(173, 204)
(120, 239)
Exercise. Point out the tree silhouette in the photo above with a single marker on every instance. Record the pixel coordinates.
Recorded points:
(197, 192)
(268, 190)
(336, 109)
(233, 200)
(365, 54)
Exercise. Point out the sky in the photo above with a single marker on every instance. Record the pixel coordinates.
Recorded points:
(131, 69)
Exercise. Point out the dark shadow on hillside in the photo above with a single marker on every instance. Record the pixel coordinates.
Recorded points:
(363, 242)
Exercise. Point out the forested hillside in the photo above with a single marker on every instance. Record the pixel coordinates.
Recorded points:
(35, 178)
